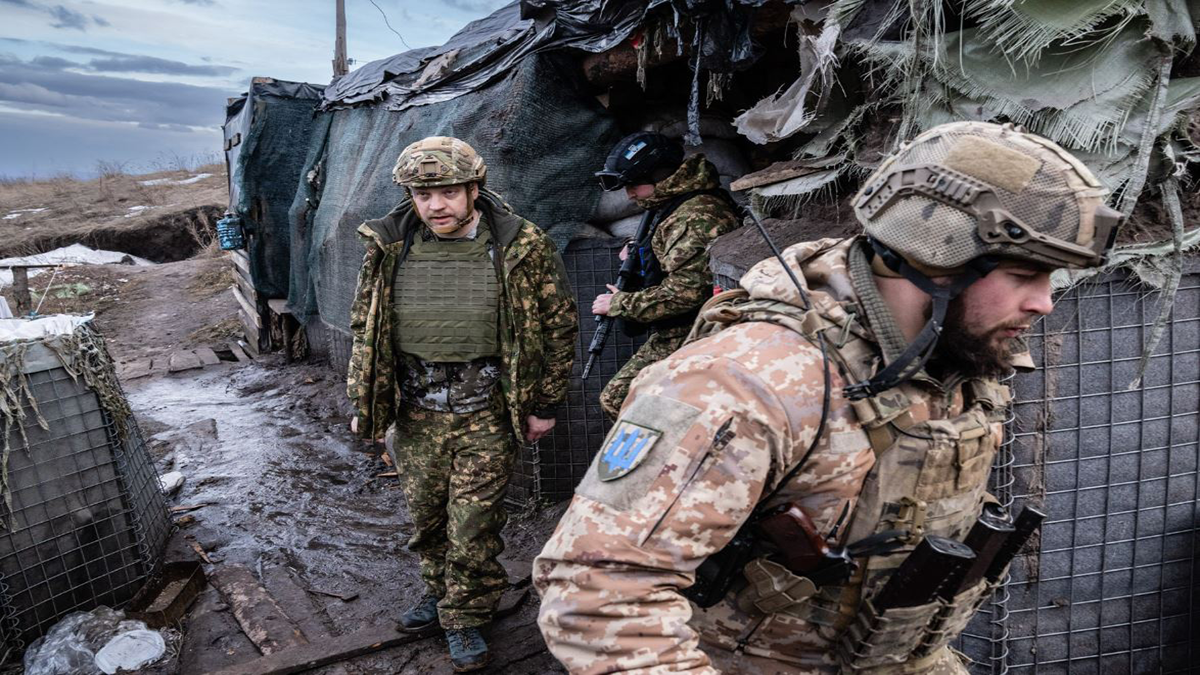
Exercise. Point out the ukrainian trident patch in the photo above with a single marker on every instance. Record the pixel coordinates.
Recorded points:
(628, 445)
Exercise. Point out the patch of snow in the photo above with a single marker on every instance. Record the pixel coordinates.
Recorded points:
(20, 212)
(170, 482)
(75, 254)
(196, 178)
(35, 329)
(137, 211)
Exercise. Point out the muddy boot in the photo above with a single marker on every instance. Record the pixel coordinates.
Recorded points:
(468, 651)
(421, 617)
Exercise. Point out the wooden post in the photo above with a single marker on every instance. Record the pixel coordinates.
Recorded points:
(21, 291)
(340, 65)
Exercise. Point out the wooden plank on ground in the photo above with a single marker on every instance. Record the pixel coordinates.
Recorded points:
(300, 658)
(183, 360)
(238, 352)
(251, 310)
(135, 369)
(207, 356)
(261, 618)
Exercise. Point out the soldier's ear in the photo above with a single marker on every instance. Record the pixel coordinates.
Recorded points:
(474, 191)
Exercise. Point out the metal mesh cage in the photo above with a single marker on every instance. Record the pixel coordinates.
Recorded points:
(1112, 586)
(550, 469)
(88, 519)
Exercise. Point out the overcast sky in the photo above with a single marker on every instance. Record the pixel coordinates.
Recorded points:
(143, 83)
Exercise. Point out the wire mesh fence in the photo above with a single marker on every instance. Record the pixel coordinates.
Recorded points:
(550, 469)
(1112, 586)
(88, 519)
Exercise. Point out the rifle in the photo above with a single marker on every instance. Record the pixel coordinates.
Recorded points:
(627, 277)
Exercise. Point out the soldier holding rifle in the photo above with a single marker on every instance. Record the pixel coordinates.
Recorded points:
(800, 488)
(666, 268)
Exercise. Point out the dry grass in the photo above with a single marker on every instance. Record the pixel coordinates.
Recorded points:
(112, 200)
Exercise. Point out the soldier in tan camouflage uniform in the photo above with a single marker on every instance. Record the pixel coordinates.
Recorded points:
(691, 210)
(736, 422)
(464, 333)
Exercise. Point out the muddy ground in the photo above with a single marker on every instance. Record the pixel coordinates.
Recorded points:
(287, 492)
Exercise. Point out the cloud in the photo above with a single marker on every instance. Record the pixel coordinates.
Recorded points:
(128, 63)
(476, 6)
(53, 62)
(205, 3)
(32, 87)
(61, 16)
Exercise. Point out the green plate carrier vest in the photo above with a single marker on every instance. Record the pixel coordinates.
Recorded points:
(446, 300)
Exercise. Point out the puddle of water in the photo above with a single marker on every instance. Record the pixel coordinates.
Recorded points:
(287, 486)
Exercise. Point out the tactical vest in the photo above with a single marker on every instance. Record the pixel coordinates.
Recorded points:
(928, 479)
(446, 300)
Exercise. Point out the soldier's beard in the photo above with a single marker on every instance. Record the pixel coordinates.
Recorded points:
(984, 352)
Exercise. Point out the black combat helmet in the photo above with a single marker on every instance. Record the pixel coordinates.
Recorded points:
(643, 157)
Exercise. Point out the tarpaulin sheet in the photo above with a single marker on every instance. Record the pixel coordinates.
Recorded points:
(540, 134)
(268, 133)
(486, 49)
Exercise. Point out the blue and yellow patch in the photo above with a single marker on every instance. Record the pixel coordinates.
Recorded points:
(628, 444)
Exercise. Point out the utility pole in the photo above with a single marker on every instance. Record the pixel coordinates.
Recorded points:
(340, 67)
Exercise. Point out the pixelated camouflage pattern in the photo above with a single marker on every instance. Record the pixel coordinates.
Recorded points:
(610, 575)
(438, 161)
(538, 321)
(658, 346)
(454, 469)
(449, 387)
(680, 243)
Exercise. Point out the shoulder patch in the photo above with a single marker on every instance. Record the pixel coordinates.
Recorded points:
(628, 445)
(636, 450)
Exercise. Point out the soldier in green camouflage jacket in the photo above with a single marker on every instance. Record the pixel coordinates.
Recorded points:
(464, 333)
(691, 211)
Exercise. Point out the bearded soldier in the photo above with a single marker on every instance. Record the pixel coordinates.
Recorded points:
(688, 209)
(868, 404)
(464, 332)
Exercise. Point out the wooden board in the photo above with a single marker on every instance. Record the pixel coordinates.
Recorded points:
(250, 309)
(183, 360)
(300, 658)
(241, 261)
(238, 352)
(207, 356)
(261, 618)
(278, 305)
(243, 284)
(135, 369)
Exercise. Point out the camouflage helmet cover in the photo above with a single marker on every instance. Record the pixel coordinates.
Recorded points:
(438, 161)
(969, 189)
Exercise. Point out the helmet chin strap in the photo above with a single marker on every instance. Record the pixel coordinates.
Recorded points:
(465, 220)
(914, 357)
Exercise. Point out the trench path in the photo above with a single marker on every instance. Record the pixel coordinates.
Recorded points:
(290, 495)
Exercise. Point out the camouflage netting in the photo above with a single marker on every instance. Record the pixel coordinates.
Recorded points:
(272, 125)
(540, 135)
(84, 520)
(81, 354)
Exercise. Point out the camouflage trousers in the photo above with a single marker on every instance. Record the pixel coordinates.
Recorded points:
(658, 347)
(454, 469)
(945, 661)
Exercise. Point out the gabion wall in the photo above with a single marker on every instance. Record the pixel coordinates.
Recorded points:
(88, 519)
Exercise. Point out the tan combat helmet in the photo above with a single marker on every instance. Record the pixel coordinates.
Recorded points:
(961, 197)
(438, 161)
(966, 190)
